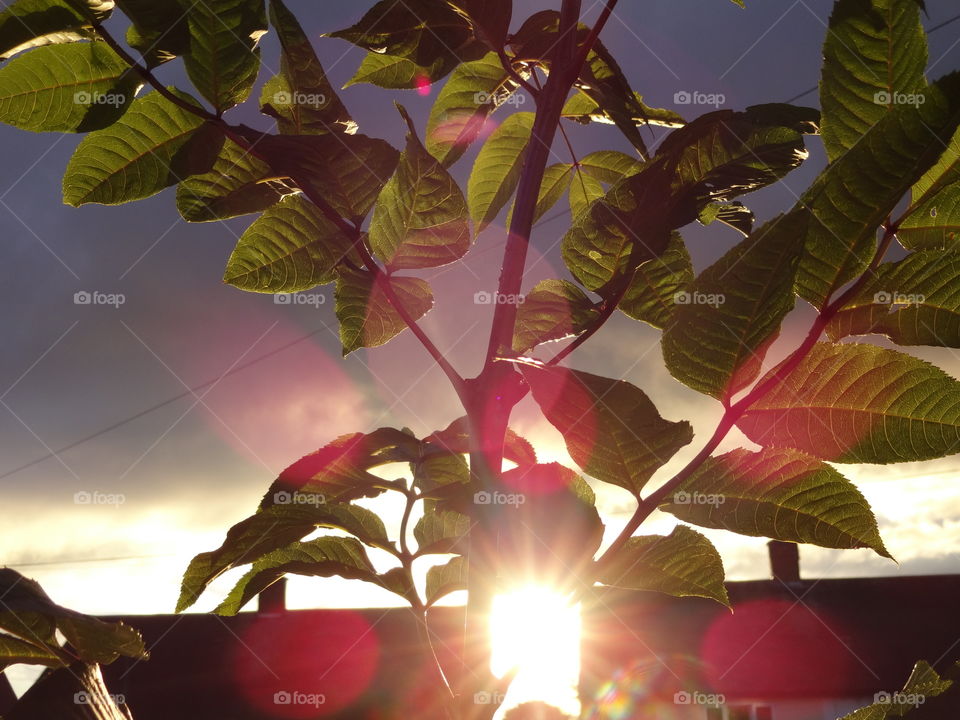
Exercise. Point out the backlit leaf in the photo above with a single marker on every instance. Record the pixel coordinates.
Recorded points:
(367, 319)
(25, 24)
(652, 294)
(496, 172)
(552, 310)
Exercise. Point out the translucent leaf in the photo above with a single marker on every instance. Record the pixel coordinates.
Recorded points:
(456, 438)
(610, 166)
(14, 651)
(777, 493)
(445, 579)
(583, 109)
(726, 319)
(420, 219)
(611, 428)
(300, 97)
(862, 404)
(552, 310)
(584, 191)
(323, 557)
(237, 184)
(367, 319)
(224, 57)
(915, 301)
(441, 532)
(652, 294)
(26, 24)
(683, 563)
(496, 172)
(155, 145)
(933, 218)
(160, 29)
(291, 247)
(556, 180)
(70, 88)
(921, 687)
(874, 57)
(274, 528)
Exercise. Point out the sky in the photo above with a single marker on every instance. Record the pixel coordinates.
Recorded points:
(273, 386)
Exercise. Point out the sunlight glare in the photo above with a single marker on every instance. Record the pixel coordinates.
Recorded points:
(537, 631)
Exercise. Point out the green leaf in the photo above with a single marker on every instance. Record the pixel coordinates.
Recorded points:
(780, 494)
(291, 247)
(301, 97)
(74, 88)
(584, 191)
(553, 310)
(237, 184)
(496, 172)
(724, 322)
(28, 613)
(857, 192)
(26, 24)
(14, 651)
(683, 563)
(735, 214)
(915, 301)
(420, 219)
(445, 579)
(933, 218)
(859, 403)
(155, 145)
(611, 428)
(338, 472)
(323, 557)
(556, 180)
(874, 57)
(347, 171)
(395, 73)
(224, 56)
(473, 91)
(160, 29)
(441, 532)
(274, 528)
(455, 438)
(431, 36)
(651, 295)
(367, 319)
(491, 18)
(583, 109)
(610, 166)
(923, 684)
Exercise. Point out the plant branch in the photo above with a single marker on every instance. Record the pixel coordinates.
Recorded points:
(515, 76)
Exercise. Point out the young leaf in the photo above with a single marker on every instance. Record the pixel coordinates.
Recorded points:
(933, 218)
(14, 651)
(683, 563)
(473, 91)
(873, 59)
(323, 557)
(728, 317)
(224, 56)
(553, 310)
(367, 319)
(291, 247)
(155, 145)
(420, 219)
(73, 88)
(237, 184)
(859, 403)
(496, 172)
(611, 428)
(26, 24)
(441, 532)
(445, 579)
(160, 30)
(300, 97)
(777, 493)
(274, 528)
(347, 171)
(915, 301)
(854, 195)
(651, 295)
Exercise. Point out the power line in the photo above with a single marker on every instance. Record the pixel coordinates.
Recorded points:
(80, 561)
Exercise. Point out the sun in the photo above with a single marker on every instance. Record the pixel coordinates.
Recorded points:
(537, 631)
